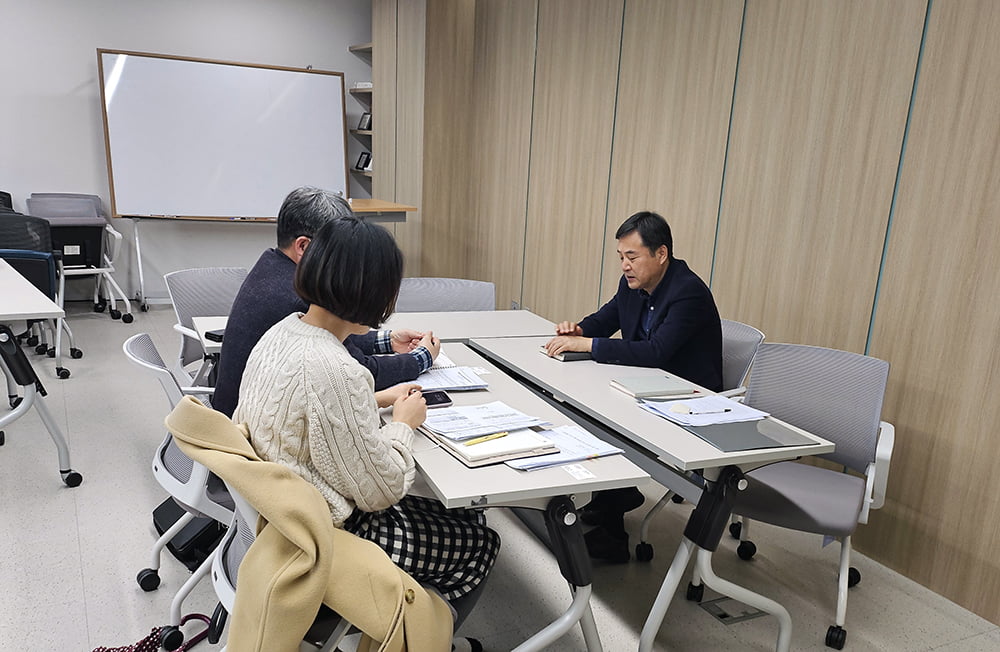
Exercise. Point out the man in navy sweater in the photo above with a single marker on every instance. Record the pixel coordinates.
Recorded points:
(668, 319)
(268, 295)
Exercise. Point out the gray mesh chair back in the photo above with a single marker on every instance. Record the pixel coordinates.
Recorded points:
(190, 484)
(68, 197)
(834, 394)
(57, 207)
(201, 292)
(141, 350)
(25, 232)
(739, 346)
(445, 295)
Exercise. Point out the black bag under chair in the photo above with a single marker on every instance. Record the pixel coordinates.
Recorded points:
(195, 542)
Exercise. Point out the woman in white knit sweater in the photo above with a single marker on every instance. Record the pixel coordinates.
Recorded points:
(310, 405)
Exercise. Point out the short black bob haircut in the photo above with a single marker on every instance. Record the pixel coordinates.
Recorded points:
(652, 228)
(353, 269)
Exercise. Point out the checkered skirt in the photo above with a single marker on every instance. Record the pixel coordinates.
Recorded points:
(451, 550)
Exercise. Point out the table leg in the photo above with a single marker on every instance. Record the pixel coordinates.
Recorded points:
(666, 594)
(746, 596)
(565, 538)
(141, 295)
(703, 531)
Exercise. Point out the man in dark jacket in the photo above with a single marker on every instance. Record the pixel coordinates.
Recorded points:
(668, 319)
(268, 295)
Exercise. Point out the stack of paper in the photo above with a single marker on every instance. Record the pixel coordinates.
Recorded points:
(451, 379)
(574, 444)
(510, 446)
(703, 411)
(469, 421)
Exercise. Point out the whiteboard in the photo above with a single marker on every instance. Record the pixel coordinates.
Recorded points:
(199, 138)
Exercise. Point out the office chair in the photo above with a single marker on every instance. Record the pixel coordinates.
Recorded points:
(88, 243)
(836, 395)
(191, 485)
(740, 343)
(445, 295)
(200, 292)
(327, 631)
(27, 245)
(18, 371)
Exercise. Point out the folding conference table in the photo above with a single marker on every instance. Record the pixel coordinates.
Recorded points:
(669, 453)
(555, 490)
(23, 301)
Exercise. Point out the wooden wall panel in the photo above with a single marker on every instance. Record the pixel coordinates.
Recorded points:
(384, 99)
(574, 99)
(498, 162)
(447, 233)
(671, 123)
(410, 70)
(820, 108)
(937, 320)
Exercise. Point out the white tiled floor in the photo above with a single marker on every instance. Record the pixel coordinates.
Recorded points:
(68, 557)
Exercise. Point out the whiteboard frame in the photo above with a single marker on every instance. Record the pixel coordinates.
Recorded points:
(107, 136)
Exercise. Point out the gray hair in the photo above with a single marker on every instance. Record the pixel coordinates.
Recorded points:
(305, 210)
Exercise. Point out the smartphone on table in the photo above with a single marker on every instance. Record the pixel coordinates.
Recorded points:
(437, 398)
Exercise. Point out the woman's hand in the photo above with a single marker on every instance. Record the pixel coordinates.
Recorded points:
(410, 409)
(388, 396)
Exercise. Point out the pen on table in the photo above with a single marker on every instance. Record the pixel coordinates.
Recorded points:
(479, 440)
(722, 411)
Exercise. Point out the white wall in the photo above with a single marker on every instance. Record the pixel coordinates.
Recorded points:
(50, 113)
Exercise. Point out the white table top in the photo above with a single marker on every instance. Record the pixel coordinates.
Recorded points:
(585, 385)
(203, 324)
(462, 326)
(456, 485)
(21, 299)
(447, 326)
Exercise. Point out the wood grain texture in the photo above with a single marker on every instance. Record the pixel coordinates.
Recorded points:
(937, 320)
(504, 64)
(409, 158)
(446, 232)
(820, 108)
(384, 99)
(671, 123)
(574, 100)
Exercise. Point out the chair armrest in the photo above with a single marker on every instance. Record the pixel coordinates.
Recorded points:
(195, 391)
(736, 394)
(187, 332)
(116, 243)
(883, 454)
(878, 471)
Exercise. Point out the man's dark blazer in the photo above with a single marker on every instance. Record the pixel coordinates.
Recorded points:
(685, 336)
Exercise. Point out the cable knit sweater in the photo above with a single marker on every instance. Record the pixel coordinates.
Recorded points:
(311, 406)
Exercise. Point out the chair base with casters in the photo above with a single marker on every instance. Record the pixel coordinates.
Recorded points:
(18, 370)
